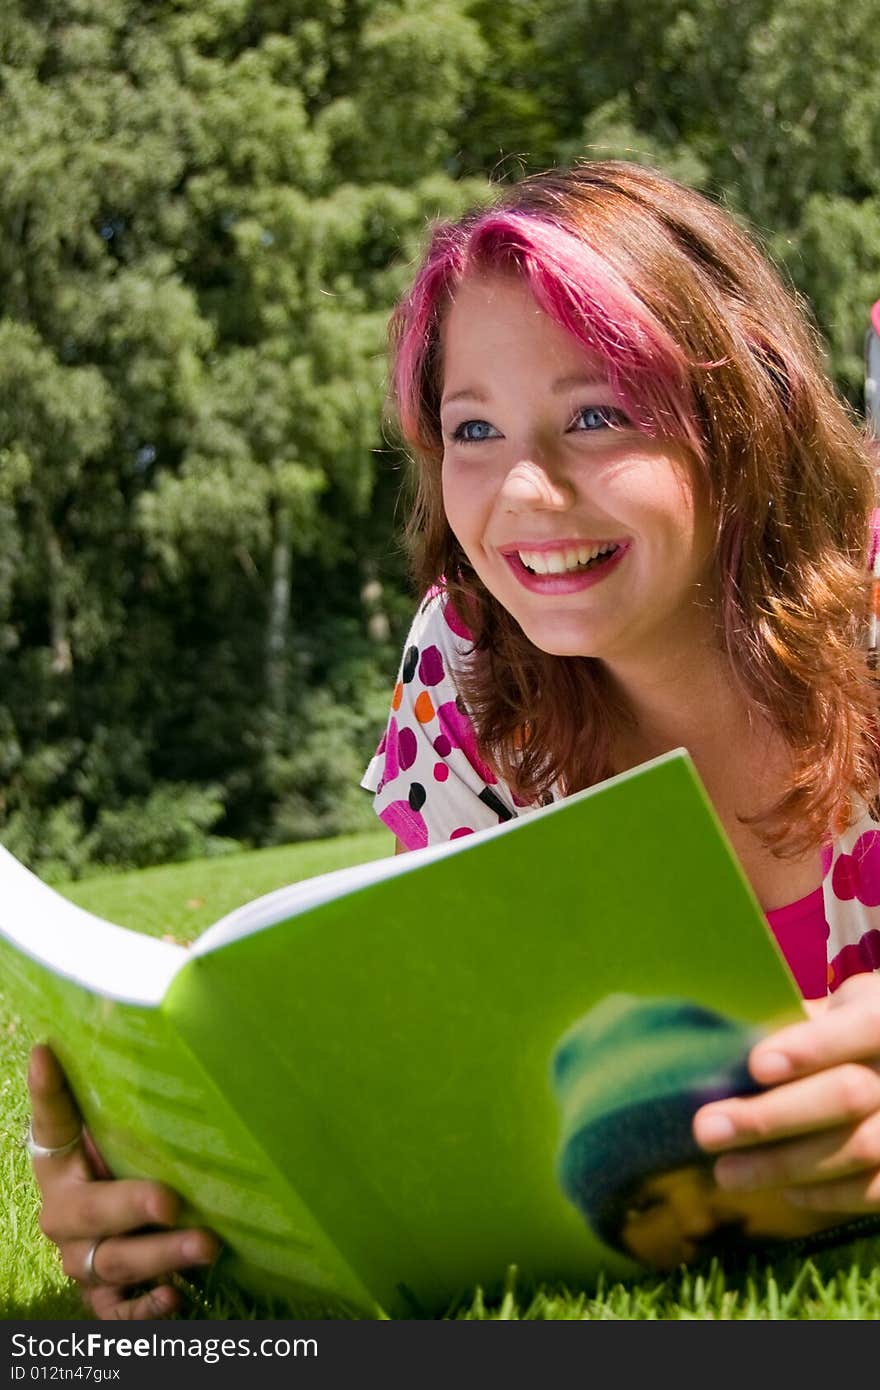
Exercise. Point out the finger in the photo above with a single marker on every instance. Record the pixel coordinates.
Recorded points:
(108, 1302)
(122, 1261)
(113, 1208)
(849, 1195)
(831, 1155)
(822, 1100)
(56, 1118)
(847, 1030)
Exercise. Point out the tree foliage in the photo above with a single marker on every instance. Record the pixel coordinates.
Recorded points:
(772, 105)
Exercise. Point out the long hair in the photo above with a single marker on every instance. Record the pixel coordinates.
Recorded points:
(702, 344)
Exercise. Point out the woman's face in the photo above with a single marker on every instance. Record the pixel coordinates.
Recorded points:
(594, 536)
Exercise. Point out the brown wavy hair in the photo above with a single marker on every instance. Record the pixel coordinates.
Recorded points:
(702, 343)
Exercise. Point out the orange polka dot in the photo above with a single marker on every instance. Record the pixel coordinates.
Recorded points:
(397, 696)
(424, 709)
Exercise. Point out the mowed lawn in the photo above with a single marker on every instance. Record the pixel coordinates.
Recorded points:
(181, 900)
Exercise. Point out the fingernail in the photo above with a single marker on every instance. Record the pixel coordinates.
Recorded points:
(771, 1067)
(193, 1249)
(714, 1129)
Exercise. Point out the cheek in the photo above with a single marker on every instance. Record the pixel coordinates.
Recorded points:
(654, 1240)
(463, 501)
(690, 505)
(667, 494)
(668, 501)
(678, 528)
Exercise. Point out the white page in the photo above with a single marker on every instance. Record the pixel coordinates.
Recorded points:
(131, 967)
(74, 943)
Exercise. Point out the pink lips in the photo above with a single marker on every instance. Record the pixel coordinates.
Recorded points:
(570, 583)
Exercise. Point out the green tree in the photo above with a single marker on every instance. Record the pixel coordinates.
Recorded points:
(772, 104)
(208, 208)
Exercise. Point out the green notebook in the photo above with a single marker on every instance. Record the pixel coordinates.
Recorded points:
(350, 1079)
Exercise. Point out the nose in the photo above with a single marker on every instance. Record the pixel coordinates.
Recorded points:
(534, 486)
(696, 1212)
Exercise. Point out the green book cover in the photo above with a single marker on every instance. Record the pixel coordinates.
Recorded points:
(364, 1082)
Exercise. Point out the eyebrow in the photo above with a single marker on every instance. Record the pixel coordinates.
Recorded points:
(562, 383)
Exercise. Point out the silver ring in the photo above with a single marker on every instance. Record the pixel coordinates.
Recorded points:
(90, 1275)
(43, 1151)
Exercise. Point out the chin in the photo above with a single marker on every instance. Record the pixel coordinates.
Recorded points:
(562, 649)
(561, 641)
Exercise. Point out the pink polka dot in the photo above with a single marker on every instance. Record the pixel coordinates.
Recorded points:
(431, 666)
(406, 824)
(854, 959)
(459, 731)
(454, 622)
(441, 772)
(407, 748)
(462, 830)
(827, 857)
(857, 875)
(442, 745)
(866, 852)
(843, 878)
(392, 765)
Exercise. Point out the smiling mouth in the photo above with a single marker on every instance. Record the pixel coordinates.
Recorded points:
(574, 560)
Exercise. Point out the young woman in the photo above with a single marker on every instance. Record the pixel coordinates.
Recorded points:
(642, 521)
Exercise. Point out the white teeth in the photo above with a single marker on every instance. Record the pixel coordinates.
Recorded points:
(560, 561)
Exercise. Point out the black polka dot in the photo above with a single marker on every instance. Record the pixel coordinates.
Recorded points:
(417, 795)
(410, 662)
(489, 798)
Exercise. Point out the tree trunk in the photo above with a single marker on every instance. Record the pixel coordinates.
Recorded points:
(59, 640)
(278, 618)
(373, 600)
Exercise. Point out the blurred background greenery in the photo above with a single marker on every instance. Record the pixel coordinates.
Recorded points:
(207, 208)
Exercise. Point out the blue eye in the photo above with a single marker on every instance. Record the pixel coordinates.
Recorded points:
(600, 417)
(473, 431)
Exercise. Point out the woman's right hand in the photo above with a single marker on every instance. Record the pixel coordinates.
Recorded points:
(83, 1204)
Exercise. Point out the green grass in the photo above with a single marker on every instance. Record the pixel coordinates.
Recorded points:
(180, 900)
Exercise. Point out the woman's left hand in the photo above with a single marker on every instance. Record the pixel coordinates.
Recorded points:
(816, 1131)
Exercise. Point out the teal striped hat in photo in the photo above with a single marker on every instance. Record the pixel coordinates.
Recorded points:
(629, 1077)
